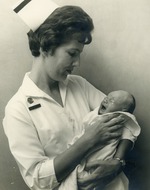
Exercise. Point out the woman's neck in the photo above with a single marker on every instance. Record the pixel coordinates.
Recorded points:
(40, 78)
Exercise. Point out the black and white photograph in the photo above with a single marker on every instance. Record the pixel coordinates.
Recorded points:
(75, 88)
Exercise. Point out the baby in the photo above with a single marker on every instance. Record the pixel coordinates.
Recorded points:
(117, 101)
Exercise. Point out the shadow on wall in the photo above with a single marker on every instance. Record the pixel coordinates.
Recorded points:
(118, 58)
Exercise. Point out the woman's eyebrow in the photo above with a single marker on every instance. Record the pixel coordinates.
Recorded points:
(76, 50)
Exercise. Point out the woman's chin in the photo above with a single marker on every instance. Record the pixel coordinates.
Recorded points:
(64, 77)
(66, 74)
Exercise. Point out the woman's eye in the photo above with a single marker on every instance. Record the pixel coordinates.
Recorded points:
(73, 54)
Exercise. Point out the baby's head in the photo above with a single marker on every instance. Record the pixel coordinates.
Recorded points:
(118, 101)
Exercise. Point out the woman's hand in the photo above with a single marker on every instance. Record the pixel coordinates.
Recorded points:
(103, 172)
(108, 128)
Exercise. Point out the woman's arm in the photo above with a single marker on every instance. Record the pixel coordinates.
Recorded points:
(99, 135)
(37, 169)
(104, 171)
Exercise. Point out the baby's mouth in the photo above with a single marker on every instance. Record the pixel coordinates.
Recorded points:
(102, 109)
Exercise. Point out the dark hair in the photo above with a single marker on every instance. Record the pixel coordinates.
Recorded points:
(64, 24)
(132, 105)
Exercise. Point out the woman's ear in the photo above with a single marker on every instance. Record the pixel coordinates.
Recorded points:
(43, 53)
(46, 53)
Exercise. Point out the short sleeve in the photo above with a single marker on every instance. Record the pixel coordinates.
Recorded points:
(132, 129)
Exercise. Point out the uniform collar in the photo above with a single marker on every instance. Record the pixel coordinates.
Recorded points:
(30, 89)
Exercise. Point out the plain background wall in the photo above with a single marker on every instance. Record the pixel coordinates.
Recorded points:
(118, 58)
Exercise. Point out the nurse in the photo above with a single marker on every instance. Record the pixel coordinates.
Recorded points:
(43, 117)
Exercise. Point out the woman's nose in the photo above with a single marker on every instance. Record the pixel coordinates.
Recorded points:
(76, 62)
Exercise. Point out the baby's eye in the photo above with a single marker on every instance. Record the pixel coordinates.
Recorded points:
(111, 100)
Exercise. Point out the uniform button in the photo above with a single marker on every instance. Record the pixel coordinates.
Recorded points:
(30, 100)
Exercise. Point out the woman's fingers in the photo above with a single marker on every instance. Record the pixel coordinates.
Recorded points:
(93, 181)
(108, 117)
(113, 126)
(116, 127)
(95, 164)
(108, 127)
(114, 120)
(108, 136)
(89, 182)
(91, 186)
(97, 185)
(101, 173)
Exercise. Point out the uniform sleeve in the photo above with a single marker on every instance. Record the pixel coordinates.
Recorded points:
(36, 168)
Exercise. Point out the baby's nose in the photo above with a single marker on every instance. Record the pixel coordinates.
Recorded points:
(105, 100)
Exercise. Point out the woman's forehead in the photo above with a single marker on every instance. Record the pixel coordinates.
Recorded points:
(74, 45)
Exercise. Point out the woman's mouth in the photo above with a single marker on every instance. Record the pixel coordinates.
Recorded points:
(69, 71)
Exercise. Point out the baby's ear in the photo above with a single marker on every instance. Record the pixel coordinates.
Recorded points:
(125, 109)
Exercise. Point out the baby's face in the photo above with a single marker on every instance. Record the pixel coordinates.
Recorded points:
(115, 101)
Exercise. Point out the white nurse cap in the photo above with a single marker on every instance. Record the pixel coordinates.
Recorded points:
(34, 12)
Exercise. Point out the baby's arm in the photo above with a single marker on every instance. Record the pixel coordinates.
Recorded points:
(130, 133)
(123, 148)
